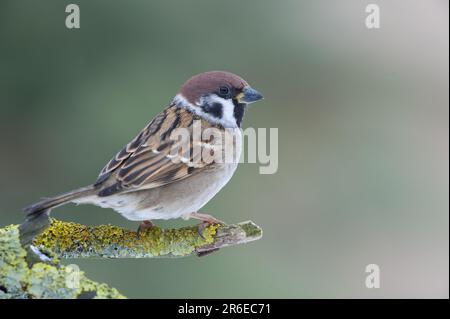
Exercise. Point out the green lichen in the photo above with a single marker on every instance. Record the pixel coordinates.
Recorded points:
(13, 267)
(252, 230)
(42, 280)
(68, 240)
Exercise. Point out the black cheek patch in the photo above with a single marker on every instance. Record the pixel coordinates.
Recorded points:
(215, 109)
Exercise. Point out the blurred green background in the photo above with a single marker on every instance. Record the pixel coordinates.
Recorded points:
(363, 135)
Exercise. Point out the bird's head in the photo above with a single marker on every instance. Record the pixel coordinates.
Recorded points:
(218, 97)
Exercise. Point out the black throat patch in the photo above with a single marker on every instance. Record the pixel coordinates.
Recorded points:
(239, 110)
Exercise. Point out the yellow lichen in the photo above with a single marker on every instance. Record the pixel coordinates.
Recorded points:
(69, 239)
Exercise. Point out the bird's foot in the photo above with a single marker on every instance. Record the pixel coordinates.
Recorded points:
(146, 224)
(206, 218)
(206, 221)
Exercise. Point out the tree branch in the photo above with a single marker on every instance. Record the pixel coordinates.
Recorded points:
(71, 240)
(29, 265)
(44, 278)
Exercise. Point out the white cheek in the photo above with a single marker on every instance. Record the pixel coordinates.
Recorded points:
(227, 119)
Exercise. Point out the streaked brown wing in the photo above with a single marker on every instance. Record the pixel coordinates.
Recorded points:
(131, 147)
(148, 161)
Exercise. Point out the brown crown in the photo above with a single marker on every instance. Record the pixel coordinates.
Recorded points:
(210, 82)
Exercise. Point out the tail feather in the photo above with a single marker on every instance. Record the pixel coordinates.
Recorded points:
(46, 204)
(37, 217)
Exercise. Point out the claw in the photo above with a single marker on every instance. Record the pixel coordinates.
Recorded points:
(201, 227)
(206, 221)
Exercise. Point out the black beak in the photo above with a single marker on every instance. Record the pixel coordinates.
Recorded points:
(250, 95)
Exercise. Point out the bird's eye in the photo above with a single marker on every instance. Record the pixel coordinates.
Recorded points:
(224, 91)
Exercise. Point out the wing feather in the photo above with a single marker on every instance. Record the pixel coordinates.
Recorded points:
(149, 161)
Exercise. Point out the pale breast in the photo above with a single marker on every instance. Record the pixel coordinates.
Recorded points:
(176, 200)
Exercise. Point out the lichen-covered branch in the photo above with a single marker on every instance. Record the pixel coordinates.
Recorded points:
(49, 279)
(71, 240)
(30, 268)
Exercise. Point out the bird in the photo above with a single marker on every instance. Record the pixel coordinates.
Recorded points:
(147, 180)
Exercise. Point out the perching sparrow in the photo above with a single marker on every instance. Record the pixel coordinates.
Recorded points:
(147, 179)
